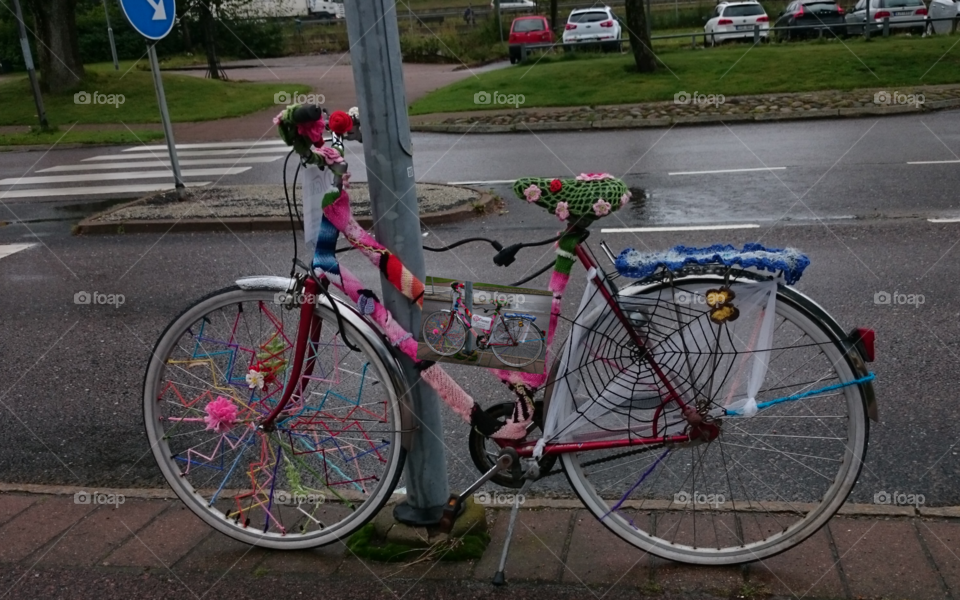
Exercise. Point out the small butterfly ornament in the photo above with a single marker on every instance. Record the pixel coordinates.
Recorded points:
(721, 305)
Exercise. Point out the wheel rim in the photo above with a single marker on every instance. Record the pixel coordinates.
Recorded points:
(526, 335)
(334, 456)
(768, 468)
(444, 340)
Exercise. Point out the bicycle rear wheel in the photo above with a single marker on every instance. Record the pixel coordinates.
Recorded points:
(444, 333)
(516, 342)
(766, 482)
(334, 456)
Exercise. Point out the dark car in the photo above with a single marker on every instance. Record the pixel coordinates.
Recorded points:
(528, 30)
(815, 15)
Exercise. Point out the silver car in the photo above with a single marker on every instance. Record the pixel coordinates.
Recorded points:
(940, 16)
(903, 14)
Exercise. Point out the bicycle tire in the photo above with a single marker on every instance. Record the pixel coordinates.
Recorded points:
(306, 504)
(528, 349)
(443, 340)
(749, 527)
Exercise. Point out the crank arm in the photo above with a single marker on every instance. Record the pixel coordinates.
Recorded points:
(508, 457)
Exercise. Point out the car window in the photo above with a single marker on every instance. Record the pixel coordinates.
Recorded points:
(743, 10)
(862, 4)
(901, 3)
(819, 4)
(589, 17)
(524, 25)
(792, 7)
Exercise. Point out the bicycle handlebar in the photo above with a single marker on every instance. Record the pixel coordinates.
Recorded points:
(307, 113)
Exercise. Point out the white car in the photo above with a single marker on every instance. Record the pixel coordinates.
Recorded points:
(736, 20)
(937, 12)
(508, 5)
(592, 26)
(325, 9)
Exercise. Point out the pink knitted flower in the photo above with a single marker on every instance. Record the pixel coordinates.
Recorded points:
(601, 207)
(624, 199)
(312, 130)
(532, 193)
(345, 180)
(562, 211)
(221, 415)
(593, 176)
(330, 155)
(278, 118)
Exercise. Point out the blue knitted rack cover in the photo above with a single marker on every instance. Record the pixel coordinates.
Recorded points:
(638, 265)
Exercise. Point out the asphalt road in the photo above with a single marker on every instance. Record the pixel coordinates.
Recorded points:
(72, 374)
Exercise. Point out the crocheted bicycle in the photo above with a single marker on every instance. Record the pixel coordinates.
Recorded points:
(701, 407)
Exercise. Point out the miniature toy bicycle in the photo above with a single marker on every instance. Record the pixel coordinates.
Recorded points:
(702, 408)
(512, 337)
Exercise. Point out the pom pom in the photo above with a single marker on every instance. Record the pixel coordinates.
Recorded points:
(221, 415)
(555, 186)
(340, 122)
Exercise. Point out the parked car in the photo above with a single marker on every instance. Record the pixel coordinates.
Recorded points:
(325, 9)
(589, 26)
(821, 16)
(508, 5)
(903, 14)
(735, 21)
(941, 9)
(528, 30)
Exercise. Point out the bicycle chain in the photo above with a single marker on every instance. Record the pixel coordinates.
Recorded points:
(608, 459)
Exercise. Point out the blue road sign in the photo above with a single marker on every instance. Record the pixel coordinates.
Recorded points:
(151, 18)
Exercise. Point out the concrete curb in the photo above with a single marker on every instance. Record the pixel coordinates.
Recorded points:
(830, 113)
(90, 226)
(533, 503)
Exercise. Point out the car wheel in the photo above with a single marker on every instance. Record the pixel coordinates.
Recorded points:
(928, 30)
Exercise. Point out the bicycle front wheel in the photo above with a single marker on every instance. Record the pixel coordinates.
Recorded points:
(516, 342)
(444, 333)
(764, 483)
(334, 456)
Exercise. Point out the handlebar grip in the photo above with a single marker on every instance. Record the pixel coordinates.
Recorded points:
(307, 114)
(506, 256)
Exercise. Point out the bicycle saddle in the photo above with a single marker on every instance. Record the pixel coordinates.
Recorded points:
(586, 198)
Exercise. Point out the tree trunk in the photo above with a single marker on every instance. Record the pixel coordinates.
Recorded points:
(58, 47)
(185, 34)
(553, 16)
(639, 38)
(209, 28)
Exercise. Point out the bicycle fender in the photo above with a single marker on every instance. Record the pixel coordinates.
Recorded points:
(378, 343)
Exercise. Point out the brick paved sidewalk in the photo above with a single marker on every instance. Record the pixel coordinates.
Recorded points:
(914, 558)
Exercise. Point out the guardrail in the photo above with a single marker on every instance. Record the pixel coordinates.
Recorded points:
(759, 33)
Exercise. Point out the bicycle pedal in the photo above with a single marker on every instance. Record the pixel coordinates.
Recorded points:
(452, 510)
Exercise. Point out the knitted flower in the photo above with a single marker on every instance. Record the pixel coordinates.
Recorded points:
(312, 130)
(345, 180)
(340, 122)
(532, 193)
(562, 211)
(624, 199)
(277, 119)
(594, 176)
(221, 415)
(555, 186)
(255, 379)
(601, 207)
(354, 112)
(330, 155)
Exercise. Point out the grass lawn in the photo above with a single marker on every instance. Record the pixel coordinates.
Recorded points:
(592, 79)
(79, 137)
(188, 98)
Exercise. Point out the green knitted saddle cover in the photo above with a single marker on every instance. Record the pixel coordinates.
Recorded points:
(586, 198)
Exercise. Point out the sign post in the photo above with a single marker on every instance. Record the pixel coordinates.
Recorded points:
(31, 71)
(153, 19)
(113, 44)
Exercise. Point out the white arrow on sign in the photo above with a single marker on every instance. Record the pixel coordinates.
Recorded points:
(159, 12)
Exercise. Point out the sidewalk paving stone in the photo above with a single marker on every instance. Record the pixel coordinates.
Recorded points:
(943, 541)
(32, 529)
(884, 559)
(597, 557)
(536, 552)
(164, 541)
(102, 531)
(316, 561)
(805, 570)
(13, 504)
(220, 553)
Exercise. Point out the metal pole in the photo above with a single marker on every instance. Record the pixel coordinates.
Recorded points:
(886, 27)
(496, 6)
(377, 72)
(165, 119)
(113, 45)
(31, 71)
(468, 302)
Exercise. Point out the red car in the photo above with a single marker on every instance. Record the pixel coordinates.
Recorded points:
(528, 30)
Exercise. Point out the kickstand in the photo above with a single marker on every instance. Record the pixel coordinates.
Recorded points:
(499, 578)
